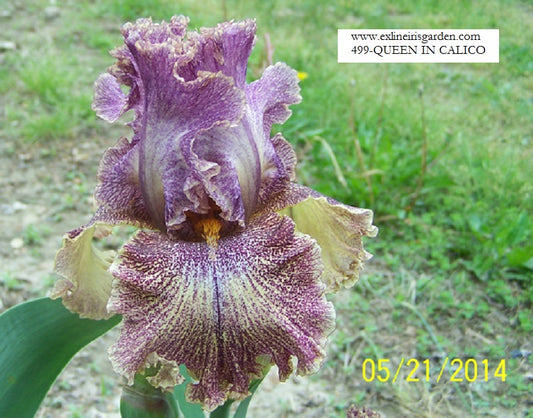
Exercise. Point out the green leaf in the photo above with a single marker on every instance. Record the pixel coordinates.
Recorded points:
(242, 409)
(521, 257)
(189, 410)
(38, 338)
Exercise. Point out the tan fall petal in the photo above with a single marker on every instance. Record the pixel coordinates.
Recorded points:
(85, 283)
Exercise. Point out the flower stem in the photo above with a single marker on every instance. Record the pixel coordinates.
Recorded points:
(142, 400)
(222, 411)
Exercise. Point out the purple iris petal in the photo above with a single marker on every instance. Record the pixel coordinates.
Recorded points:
(224, 283)
(109, 101)
(202, 134)
(225, 48)
(258, 296)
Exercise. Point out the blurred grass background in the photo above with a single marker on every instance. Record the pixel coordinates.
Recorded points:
(452, 273)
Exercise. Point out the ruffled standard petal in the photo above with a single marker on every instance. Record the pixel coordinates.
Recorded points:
(270, 96)
(268, 99)
(258, 298)
(251, 165)
(85, 283)
(232, 173)
(175, 113)
(225, 48)
(339, 230)
(202, 135)
(109, 101)
(118, 189)
(171, 108)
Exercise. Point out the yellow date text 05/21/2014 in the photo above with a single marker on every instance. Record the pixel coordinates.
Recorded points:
(414, 370)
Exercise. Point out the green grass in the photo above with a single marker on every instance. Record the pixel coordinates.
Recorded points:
(454, 257)
(48, 102)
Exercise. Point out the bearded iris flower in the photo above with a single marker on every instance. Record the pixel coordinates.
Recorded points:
(228, 271)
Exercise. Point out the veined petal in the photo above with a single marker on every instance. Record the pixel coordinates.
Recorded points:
(222, 312)
(165, 164)
(118, 188)
(109, 101)
(202, 135)
(251, 165)
(339, 230)
(236, 174)
(280, 171)
(225, 48)
(269, 99)
(171, 108)
(271, 95)
(85, 283)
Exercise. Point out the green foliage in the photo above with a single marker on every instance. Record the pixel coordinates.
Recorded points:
(130, 10)
(38, 339)
(33, 235)
(9, 280)
(50, 104)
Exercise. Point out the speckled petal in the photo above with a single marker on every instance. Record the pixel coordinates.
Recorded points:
(171, 108)
(225, 48)
(339, 230)
(201, 134)
(109, 101)
(269, 99)
(167, 170)
(118, 188)
(223, 312)
(262, 165)
(232, 170)
(271, 95)
(280, 171)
